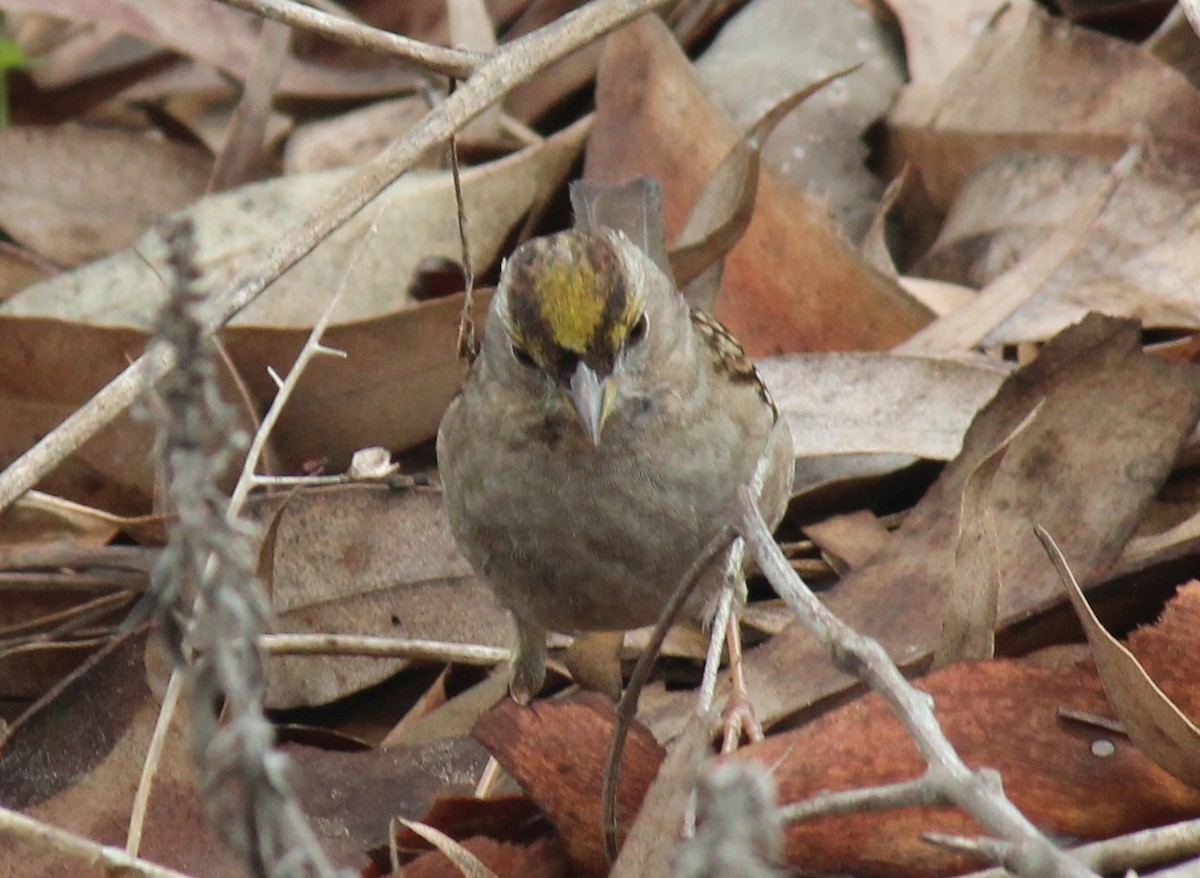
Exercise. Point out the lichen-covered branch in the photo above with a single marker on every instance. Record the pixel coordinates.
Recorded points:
(211, 608)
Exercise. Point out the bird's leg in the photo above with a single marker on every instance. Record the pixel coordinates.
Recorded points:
(739, 711)
(528, 662)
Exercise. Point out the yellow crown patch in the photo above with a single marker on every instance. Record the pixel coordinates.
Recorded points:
(568, 300)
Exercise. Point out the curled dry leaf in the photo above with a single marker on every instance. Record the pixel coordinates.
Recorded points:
(1042, 84)
(415, 217)
(39, 518)
(726, 204)
(799, 286)
(1150, 718)
(969, 624)
(72, 194)
(773, 48)
(1136, 258)
(969, 325)
(466, 862)
(48, 368)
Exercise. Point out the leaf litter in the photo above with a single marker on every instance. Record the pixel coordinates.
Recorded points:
(934, 425)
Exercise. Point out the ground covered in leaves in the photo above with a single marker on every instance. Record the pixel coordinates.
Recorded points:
(967, 268)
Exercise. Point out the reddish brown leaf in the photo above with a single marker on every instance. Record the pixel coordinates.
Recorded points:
(542, 859)
(792, 283)
(999, 714)
(556, 751)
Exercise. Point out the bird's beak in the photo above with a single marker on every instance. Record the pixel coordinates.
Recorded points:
(593, 399)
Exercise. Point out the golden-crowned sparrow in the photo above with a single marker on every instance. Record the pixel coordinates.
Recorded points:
(598, 442)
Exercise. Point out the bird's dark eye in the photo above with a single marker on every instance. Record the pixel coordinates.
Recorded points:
(569, 361)
(638, 331)
(523, 357)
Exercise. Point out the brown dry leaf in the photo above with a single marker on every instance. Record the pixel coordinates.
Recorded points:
(773, 48)
(1079, 467)
(72, 194)
(416, 219)
(350, 138)
(217, 34)
(400, 373)
(840, 404)
(938, 36)
(401, 369)
(726, 204)
(798, 285)
(75, 761)
(647, 851)
(555, 750)
(19, 269)
(969, 622)
(368, 560)
(849, 540)
(971, 324)
(351, 797)
(541, 859)
(471, 28)
(531, 100)
(38, 518)
(1136, 259)
(469, 865)
(1002, 714)
(454, 718)
(243, 154)
(1037, 83)
(49, 368)
(1149, 717)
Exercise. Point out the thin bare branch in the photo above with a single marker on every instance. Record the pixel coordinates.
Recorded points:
(383, 647)
(436, 59)
(1163, 844)
(77, 848)
(898, 795)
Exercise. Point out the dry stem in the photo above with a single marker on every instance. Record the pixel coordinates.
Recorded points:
(437, 59)
(76, 847)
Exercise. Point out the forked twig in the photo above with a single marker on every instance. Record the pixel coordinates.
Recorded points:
(947, 778)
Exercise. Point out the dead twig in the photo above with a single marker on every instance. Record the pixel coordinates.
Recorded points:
(1163, 844)
(436, 59)
(76, 847)
(383, 647)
